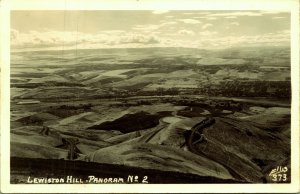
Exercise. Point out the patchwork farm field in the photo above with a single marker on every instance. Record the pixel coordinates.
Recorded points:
(136, 108)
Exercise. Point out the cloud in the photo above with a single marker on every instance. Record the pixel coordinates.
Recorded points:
(202, 13)
(275, 18)
(138, 38)
(230, 17)
(57, 38)
(186, 32)
(211, 18)
(167, 24)
(152, 27)
(189, 13)
(114, 32)
(190, 21)
(125, 39)
(236, 13)
(207, 33)
(160, 11)
(277, 38)
(205, 26)
(34, 38)
(14, 34)
(272, 12)
(235, 23)
(149, 27)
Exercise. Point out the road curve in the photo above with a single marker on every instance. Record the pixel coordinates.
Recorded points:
(197, 136)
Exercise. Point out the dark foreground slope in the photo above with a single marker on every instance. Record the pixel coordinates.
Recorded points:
(22, 168)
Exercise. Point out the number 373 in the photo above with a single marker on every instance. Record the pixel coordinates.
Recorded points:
(279, 177)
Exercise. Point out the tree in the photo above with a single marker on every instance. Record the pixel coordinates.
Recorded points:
(160, 91)
(173, 91)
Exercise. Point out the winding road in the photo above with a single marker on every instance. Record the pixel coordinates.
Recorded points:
(197, 136)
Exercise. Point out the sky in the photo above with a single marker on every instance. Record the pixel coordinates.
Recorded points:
(146, 28)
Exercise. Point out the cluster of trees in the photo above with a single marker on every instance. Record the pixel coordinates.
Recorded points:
(170, 91)
(74, 107)
(45, 84)
(69, 110)
(237, 88)
(250, 89)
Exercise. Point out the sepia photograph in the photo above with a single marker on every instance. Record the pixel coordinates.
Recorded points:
(150, 97)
